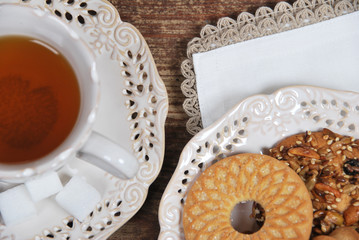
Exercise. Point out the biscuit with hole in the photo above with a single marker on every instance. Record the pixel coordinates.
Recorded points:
(248, 177)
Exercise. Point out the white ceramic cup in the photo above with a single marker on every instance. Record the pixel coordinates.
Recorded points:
(82, 141)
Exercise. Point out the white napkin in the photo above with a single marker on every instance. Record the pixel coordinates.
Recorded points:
(325, 54)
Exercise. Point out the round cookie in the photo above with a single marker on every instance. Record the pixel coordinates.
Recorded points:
(245, 177)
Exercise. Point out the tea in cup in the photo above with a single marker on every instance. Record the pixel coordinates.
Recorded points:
(49, 94)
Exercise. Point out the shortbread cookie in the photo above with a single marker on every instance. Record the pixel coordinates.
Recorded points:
(245, 177)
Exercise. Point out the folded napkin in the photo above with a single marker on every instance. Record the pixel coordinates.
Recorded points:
(324, 54)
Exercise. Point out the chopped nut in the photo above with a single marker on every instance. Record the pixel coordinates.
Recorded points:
(349, 188)
(329, 198)
(346, 140)
(330, 156)
(314, 142)
(330, 134)
(351, 215)
(303, 171)
(324, 187)
(322, 151)
(294, 165)
(334, 217)
(341, 179)
(304, 152)
(319, 214)
(344, 203)
(311, 182)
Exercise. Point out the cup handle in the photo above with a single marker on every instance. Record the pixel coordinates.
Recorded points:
(109, 156)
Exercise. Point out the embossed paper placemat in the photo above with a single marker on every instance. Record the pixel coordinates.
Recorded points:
(321, 54)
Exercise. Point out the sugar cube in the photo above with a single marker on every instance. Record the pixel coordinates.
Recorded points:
(44, 186)
(78, 198)
(16, 205)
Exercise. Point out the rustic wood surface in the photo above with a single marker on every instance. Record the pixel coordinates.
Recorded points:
(167, 26)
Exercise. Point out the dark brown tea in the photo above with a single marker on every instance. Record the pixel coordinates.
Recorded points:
(39, 99)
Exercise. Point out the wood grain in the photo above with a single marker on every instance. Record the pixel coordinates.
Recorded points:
(167, 26)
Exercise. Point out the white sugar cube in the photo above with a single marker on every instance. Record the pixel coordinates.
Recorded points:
(16, 205)
(44, 186)
(78, 198)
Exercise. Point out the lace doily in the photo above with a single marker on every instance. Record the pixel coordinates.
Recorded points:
(265, 21)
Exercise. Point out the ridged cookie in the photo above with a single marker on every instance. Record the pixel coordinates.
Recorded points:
(269, 182)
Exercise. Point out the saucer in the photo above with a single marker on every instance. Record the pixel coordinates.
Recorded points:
(132, 111)
(253, 126)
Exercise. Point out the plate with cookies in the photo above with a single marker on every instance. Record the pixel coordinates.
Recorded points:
(278, 166)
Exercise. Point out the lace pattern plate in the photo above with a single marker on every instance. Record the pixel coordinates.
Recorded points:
(255, 125)
(132, 110)
(265, 21)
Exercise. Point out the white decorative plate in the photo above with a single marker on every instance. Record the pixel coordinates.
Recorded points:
(255, 125)
(132, 111)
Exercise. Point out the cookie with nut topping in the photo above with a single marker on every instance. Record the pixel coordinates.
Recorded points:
(328, 164)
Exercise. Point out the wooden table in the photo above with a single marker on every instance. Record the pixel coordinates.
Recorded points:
(167, 26)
